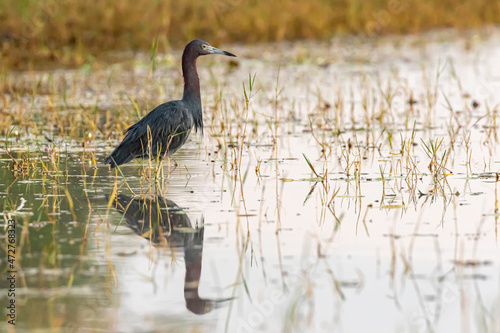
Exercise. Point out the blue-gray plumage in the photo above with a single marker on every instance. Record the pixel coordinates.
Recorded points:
(165, 129)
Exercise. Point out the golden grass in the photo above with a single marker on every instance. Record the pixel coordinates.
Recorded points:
(71, 32)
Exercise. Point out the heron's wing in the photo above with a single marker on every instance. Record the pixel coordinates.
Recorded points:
(164, 126)
(167, 118)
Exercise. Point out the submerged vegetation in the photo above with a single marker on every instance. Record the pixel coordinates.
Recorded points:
(71, 32)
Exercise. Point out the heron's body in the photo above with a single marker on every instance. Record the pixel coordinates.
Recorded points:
(160, 133)
(166, 128)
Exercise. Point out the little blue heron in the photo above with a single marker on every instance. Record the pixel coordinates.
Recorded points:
(165, 129)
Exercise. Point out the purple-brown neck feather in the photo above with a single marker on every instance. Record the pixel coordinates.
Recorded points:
(192, 84)
(191, 80)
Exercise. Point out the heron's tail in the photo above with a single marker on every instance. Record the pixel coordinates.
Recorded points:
(118, 157)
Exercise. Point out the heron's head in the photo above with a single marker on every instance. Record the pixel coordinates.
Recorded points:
(203, 48)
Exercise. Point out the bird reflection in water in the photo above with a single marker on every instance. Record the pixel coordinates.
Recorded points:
(164, 223)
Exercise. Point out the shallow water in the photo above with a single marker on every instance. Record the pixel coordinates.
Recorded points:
(376, 234)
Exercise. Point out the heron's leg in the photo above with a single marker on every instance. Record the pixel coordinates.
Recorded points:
(175, 163)
(159, 167)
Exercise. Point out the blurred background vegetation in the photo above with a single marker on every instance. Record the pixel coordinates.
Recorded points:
(36, 33)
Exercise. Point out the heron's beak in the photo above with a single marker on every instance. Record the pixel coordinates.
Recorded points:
(215, 50)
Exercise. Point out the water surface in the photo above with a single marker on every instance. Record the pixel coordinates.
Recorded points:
(355, 191)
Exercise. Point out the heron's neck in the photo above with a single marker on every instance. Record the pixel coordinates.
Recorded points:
(192, 88)
(191, 80)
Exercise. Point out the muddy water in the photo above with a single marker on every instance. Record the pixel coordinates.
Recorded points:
(361, 195)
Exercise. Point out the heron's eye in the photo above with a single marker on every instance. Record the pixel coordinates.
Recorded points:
(204, 46)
